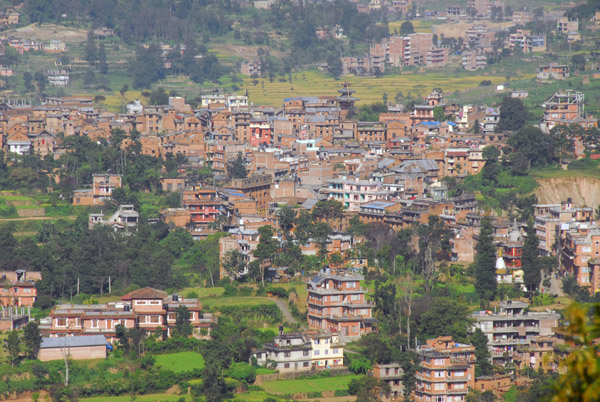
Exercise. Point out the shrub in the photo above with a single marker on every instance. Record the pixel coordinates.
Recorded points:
(315, 394)
(191, 295)
(485, 83)
(243, 372)
(341, 392)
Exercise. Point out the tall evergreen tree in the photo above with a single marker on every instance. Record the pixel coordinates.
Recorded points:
(531, 259)
(90, 54)
(485, 262)
(102, 65)
(32, 340)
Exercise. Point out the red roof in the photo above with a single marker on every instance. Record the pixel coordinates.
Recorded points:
(145, 293)
(595, 156)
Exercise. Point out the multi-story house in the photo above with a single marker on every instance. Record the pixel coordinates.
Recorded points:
(353, 193)
(392, 375)
(564, 25)
(511, 327)
(103, 185)
(204, 205)
(566, 108)
(473, 60)
(149, 309)
(301, 351)
(17, 288)
(256, 187)
(337, 302)
(446, 371)
(553, 71)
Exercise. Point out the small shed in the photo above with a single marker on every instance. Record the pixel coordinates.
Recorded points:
(78, 347)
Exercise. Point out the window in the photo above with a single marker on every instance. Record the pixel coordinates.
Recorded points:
(354, 297)
(305, 353)
(326, 351)
(439, 386)
(154, 319)
(316, 341)
(316, 353)
(439, 362)
(459, 385)
(61, 322)
(172, 316)
(334, 298)
(305, 364)
(287, 354)
(351, 285)
(286, 365)
(335, 351)
(459, 373)
(438, 374)
(140, 302)
(94, 323)
(439, 398)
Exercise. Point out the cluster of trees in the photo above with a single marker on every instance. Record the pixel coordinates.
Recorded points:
(27, 345)
(74, 259)
(75, 169)
(139, 22)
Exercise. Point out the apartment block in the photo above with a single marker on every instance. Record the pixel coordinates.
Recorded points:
(336, 302)
(302, 351)
(511, 326)
(446, 371)
(147, 308)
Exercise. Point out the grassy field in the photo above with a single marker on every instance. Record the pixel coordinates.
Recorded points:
(368, 89)
(179, 362)
(236, 301)
(142, 398)
(559, 173)
(312, 385)
(420, 26)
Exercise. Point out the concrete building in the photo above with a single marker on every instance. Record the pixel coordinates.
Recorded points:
(337, 302)
(446, 371)
(511, 327)
(80, 347)
(301, 351)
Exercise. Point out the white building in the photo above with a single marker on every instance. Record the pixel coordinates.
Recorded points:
(301, 351)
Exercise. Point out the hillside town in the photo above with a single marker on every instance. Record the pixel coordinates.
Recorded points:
(431, 238)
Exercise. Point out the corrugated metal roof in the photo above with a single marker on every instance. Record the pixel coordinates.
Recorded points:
(73, 341)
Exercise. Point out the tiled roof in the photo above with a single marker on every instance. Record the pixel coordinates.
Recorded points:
(145, 293)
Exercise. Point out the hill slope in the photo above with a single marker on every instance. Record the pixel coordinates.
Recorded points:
(582, 190)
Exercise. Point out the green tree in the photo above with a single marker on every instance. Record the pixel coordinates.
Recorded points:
(485, 262)
(182, 322)
(439, 114)
(159, 96)
(266, 250)
(90, 51)
(513, 114)
(533, 144)
(406, 28)
(28, 81)
(580, 378)
(102, 65)
(482, 353)
(12, 345)
(32, 338)
(237, 169)
(368, 389)
(578, 61)
(531, 261)
(234, 264)
(360, 366)
(41, 80)
(444, 316)
(147, 66)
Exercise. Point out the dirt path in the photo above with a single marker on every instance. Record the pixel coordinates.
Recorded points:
(285, 310)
